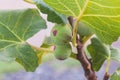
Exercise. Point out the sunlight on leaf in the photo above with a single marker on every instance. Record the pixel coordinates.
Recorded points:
(102, 16)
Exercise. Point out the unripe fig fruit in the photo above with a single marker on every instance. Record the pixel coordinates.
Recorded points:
(62, 52)
(84, 30)
(61, 34)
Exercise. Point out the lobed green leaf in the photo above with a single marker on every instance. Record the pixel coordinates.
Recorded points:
(100, 52)
(16, 26)
(102, 16)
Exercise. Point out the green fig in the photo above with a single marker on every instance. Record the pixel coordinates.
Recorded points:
(84, 30)
(62, 52)
(61, 34)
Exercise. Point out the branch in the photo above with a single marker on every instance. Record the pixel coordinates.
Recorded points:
(106, 76)
(86, 63)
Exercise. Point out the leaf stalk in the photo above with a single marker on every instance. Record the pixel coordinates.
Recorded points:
(38, 49)
(76, 23)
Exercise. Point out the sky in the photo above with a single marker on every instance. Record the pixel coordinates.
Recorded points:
(14, 4)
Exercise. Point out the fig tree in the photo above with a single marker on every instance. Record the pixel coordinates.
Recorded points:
(62, 52)
(61, 34)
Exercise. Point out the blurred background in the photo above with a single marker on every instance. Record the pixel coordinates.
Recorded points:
(50, 69)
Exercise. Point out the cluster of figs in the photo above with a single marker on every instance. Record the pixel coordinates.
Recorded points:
(62, 36)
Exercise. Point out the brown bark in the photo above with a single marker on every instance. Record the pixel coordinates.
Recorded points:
(81, 56)
(106, 76)
(85, 62)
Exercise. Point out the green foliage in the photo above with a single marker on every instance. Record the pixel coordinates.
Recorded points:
(16, 26)
(25, 55)
(101, 52)
(101, 16)
(69, 8)
(9, 67)
(61, 34)
(116, 75)
(47, 57)
(115, 54)
(53, 16)
(62, 52)
(98, 52)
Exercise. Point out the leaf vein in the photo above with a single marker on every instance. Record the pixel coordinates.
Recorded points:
(11, 31)
(100, 5)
